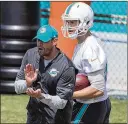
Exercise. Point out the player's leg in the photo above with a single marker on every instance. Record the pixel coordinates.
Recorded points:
(79, 110)
(97, 112)
(106, 119)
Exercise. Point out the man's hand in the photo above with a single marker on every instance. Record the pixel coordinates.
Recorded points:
(34, 93)
(30, 74)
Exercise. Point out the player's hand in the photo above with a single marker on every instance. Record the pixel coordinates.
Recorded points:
(30, 74)
(33, 93)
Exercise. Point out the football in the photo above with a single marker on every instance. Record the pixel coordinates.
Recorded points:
(81, 81)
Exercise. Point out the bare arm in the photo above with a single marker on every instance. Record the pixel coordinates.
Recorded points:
(87, 93)
(96, 88)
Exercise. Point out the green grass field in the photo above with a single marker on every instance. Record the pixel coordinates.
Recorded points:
(13, 109)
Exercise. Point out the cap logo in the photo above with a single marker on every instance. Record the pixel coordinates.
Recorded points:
(43, 30)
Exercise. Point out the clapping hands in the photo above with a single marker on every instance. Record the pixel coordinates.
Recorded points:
(34, 93)
(30, 74)
(30, 77)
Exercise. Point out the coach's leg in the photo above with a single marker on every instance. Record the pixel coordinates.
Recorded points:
(29, 118)
(34, 118)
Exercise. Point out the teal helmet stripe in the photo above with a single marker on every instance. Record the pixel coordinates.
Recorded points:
(69, 8)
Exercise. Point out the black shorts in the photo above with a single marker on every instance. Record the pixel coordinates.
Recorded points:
(94, 113)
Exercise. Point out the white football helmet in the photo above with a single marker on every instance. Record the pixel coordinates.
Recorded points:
(77, 11)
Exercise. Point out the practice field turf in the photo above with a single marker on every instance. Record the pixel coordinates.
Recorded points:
(13, 109)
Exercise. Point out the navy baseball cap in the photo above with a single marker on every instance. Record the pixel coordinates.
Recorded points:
(46, 33)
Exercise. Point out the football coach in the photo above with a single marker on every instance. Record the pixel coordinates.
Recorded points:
(48, 77)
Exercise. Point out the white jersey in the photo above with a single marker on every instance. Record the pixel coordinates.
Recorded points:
(90, 59)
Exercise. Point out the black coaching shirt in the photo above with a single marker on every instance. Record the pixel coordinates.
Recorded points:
(57, 78)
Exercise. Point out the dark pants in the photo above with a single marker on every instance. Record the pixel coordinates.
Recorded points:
(34, 118)
(37, 119)
(95, 113)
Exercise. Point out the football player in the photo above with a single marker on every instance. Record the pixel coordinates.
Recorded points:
(92, 104)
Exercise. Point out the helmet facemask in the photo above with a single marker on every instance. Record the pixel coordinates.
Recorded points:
(80, 29)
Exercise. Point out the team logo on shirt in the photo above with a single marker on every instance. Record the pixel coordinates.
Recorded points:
(53, 72)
